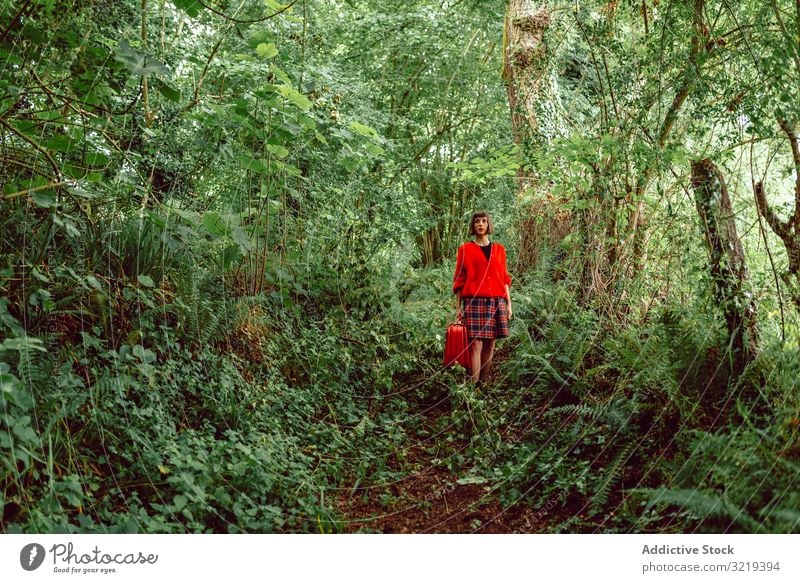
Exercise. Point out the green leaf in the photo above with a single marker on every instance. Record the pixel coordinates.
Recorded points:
(23, 344)
(283, 275)
(180, 502)
(145, 281)
(350, 163)
(11, 59)
(240, 238)
(277, 150)
(215, 225)
(91, 280)
(167, 91)
(7, 382)
(307, 122)
(26, 127)
(280, 74)
(373, 149)
(190, 7)
(44, 198)
(294, 96)
(67, 224)
(267, 50)
(60, 144)
(252, 164)
(230, 254)
(79, 191)
(288, 168)
(471, 480)
(275, 5)
(34, 33)
(96, 159)
(146, 355)
(260, 37)
(341, 133)
(363, 130)
(292, 128)
(138, 62)
(26, 434)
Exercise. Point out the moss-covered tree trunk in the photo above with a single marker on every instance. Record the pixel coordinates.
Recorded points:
(533, 101)
(727, 265)
(525, 65)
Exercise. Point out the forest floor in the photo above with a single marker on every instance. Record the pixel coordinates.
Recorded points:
(430, 498)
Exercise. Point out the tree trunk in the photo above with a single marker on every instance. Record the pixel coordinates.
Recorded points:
(789, 230)
(525, 64)
(727, 264)
(533, 101)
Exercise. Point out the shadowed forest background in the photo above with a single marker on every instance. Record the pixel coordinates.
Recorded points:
(228, 232)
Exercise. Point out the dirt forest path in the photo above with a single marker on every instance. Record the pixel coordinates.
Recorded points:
(431, 498)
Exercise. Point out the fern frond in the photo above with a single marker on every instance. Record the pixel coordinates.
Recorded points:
(788, 518)
(611, 476)
(703, 505)
(591, 412)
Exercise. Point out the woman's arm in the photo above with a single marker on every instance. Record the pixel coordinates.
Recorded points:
(459, 280)
(460, 277)
(507, 279)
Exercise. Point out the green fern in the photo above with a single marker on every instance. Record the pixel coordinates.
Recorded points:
(611, 476)
(702, 505)
(35, 370)
(591, 412)
(787, 519)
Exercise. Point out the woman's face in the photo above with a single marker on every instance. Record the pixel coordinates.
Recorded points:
(481, 225)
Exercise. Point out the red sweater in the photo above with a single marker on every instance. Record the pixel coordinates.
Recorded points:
(476, 277)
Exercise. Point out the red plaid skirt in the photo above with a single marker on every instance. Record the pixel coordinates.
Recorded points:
(486, 317)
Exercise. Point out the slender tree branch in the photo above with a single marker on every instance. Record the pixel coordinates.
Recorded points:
(36, 189)
(36, 146)
(765, 210)
(763, 232)
(646, 20)
(245, 21)
(199, 84)
(790, 38)
(148, 117)
(690, 79)
(792, 135)
(71, 99)
(14, 20)
(8, 159)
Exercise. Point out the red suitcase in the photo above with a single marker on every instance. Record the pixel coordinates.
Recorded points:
(456, 345)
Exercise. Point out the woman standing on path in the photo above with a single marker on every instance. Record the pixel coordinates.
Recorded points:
(482, 286)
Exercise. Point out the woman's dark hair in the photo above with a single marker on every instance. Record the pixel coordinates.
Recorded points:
(478, 215)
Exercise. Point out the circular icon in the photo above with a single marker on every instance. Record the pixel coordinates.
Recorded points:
(31, 556)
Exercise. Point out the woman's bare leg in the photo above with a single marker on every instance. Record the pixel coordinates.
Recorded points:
(475, 352)
(487, 352)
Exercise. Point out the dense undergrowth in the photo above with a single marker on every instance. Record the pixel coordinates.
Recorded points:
(249, 422)
(275, 406)
(645, 428)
